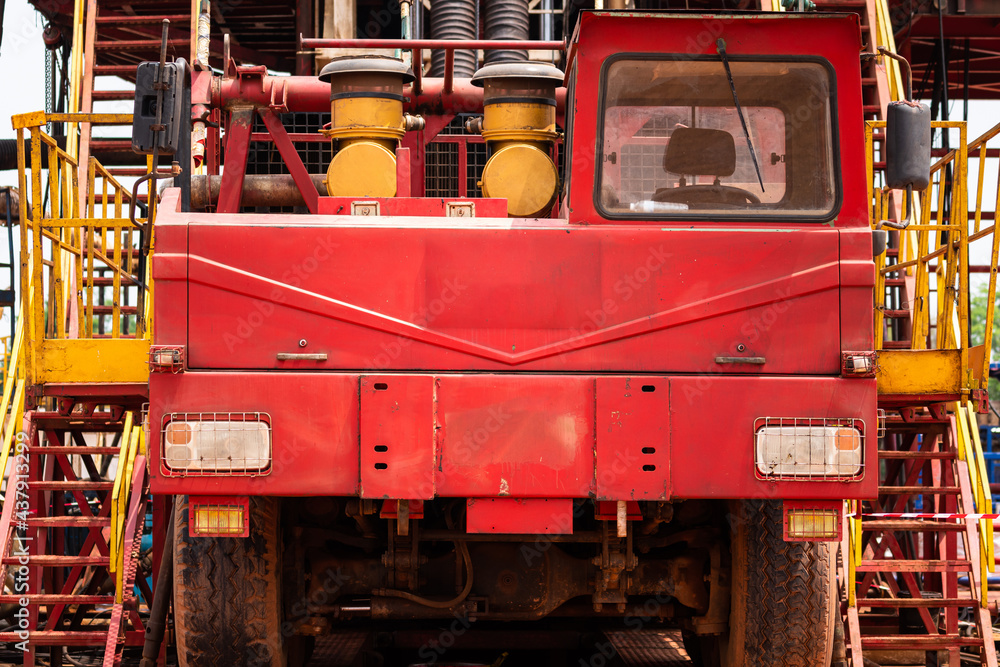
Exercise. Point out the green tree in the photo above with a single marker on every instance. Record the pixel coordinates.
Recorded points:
(977, 324)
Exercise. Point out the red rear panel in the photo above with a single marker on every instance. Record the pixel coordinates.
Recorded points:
(516, 435)
(414, 295)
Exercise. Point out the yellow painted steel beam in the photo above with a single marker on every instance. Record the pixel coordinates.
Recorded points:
(120, 487)
(90, 360)
(913, 372)
(983, 495)
(13, 422)
(40, 119)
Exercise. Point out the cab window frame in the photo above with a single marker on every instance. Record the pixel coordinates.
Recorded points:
(765, 215)
(567, 144)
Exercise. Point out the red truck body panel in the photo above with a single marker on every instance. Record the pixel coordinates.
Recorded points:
(610, 437)
(556, 358)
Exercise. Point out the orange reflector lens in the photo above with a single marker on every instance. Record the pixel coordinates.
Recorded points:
(219, 519)
(848, 439)
(178, 433)
(813, 524)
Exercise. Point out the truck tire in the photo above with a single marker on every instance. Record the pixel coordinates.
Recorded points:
(783, 605)
(227, 592)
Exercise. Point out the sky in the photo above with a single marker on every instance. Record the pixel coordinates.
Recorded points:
(22, 74)
(22, 69)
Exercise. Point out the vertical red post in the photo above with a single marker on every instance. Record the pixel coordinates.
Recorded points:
(402, 172)
(417, 63)
(449, 71)
(304, 27)
(235, 166)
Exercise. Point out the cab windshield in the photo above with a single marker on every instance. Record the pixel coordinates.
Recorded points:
(674, 147)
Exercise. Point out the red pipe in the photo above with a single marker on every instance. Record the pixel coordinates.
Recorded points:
(308, 93)
(447, 44)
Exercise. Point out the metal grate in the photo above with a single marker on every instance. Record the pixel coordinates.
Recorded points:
(264, 157)
(219, 519)
(443, 160)
(813, 448)
(316, 155)
(476, 156)
(212, 443)
(441, 169)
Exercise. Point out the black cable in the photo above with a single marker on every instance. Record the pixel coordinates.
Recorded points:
(944, 67)
(965, 100)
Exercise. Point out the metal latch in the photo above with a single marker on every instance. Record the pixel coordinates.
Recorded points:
(460, 209)
(302, 356)
(369, 208)
(740, 360)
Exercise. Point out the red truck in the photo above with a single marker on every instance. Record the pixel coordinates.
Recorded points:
(637, 388)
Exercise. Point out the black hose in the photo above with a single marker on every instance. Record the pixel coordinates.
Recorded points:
(454, 19)
(8, 152)
(506, 20)
(437, 604)
(161, 598)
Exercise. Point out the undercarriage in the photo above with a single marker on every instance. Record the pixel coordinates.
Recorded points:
(324, 564)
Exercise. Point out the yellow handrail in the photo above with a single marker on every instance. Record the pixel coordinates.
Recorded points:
(72, 253)
(971, 453)
(938, 245)
(120, 498)
(84, 250)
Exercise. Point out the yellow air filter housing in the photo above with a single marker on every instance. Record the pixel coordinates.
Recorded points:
(366, 120)
(519, 124)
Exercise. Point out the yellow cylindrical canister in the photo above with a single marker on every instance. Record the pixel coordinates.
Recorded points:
(366, 120)
(519, 124)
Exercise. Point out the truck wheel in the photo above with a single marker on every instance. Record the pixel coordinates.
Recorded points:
(227, 592)
(783, 605)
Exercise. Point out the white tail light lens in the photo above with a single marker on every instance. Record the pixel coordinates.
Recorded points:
(808, 451)
(217, 446)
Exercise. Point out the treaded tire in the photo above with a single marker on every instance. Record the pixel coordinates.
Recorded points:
(227, 592)
(783, 597)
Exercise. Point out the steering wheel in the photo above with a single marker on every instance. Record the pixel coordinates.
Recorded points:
(706, 194)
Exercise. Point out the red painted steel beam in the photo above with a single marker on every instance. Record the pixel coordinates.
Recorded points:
(292, 160)
(307, 93)
(237, 150)
(447, 44)
(303, 24)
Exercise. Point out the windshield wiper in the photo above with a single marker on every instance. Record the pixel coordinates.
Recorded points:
(721, 47)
